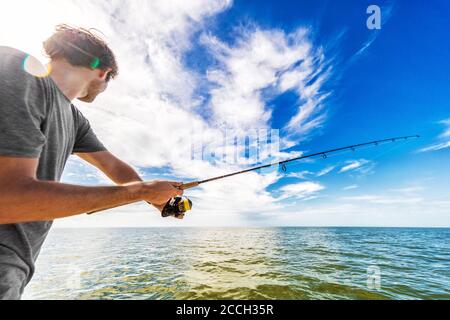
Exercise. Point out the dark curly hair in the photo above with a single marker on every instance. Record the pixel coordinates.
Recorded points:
(81, 48)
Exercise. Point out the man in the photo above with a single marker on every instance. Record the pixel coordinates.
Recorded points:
(39, 129)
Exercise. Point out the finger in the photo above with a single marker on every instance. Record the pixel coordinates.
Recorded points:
(177, 192)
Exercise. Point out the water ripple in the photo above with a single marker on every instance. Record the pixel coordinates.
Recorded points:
(227, 263)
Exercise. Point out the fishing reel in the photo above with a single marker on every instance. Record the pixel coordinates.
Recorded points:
(176, 207)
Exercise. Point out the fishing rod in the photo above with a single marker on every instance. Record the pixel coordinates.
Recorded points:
(178, 206)
(324, 155)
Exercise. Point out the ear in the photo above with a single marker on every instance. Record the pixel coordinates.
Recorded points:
(102, 73)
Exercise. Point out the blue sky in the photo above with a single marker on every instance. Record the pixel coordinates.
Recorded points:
(311, 69)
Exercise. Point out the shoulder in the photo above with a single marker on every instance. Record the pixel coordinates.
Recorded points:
(19, 67)
(11, 60)
(21, 64)
(21, 80)
(4, 51)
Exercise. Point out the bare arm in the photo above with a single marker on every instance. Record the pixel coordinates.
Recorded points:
(117, 170)
(24, 198)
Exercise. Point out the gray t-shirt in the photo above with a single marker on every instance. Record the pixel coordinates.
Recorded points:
(36, 121)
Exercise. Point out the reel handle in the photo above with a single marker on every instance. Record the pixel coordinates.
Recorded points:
(176, 207)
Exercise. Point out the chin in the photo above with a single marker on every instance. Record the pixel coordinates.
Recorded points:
(87, 99)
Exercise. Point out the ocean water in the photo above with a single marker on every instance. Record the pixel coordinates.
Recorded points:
(239, 263)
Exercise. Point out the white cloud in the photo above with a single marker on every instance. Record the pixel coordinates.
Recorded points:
(302, 190)
(353, 165)
(408, 190)
(354, 186)
(300, 175)
(446, 133)
(427, 213)
(261, 60)
(362, 166)
(436, 147)
(444, 138)
(380, 199)
(325, 171)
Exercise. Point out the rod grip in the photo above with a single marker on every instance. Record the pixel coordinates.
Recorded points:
(189, 185)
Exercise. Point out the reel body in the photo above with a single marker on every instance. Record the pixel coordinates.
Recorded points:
(176, 207)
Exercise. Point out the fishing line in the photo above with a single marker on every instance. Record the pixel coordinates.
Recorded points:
(384, 153)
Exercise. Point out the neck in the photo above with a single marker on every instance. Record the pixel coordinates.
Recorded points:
(68, 79)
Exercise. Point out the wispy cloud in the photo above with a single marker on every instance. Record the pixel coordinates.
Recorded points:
(302, 190)
(409, 190)
(354, 186)
(446, 133)
(369, 211)
(263, 63)
(436, 147)
(444, 138)
(325, 171)
(386, 14)
(381, 199)
(362, 166)
(305, 174)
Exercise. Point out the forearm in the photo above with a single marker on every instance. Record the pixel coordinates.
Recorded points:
(123, 173)
(35, 200)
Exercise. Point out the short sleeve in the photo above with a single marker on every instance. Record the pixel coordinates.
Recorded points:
(22, 109)
(86, 140)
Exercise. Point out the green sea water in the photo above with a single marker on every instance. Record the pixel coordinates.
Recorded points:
(243, 263)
